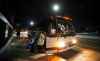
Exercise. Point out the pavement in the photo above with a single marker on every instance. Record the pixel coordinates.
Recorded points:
(87, 49)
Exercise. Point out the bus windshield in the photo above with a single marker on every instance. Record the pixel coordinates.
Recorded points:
(60, 27)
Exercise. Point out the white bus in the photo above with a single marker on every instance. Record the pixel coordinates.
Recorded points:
(60, 34)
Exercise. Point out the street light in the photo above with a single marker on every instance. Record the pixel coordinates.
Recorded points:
(31, 23)
(56, 7)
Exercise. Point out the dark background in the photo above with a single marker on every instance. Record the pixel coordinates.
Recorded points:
(81, 11)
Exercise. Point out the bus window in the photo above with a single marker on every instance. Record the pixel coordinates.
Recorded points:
(60, 27)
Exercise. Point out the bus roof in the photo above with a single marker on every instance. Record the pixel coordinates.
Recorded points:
(66, 18)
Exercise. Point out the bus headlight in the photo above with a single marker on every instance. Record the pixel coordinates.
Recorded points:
(74, 41)
(60, 43)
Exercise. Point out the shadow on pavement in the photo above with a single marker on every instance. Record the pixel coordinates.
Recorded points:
(68, 54)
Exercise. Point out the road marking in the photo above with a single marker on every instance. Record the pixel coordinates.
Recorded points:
(38, 56)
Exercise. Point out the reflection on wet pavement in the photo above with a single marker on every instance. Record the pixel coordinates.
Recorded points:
(86, 55)
(83, 55)
(56, 58)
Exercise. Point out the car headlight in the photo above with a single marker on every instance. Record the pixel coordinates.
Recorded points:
(60, 43)
(74, 41)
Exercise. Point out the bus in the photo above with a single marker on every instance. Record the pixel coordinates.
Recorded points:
(60, 34)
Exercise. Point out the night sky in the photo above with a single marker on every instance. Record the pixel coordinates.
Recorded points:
(81, 11)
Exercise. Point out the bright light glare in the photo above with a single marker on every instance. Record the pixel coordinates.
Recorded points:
(55, 58)
(60, 43)
(56, 7)
(74, 41)
(31, 23)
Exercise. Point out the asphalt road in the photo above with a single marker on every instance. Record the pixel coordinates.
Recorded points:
(88, 49)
